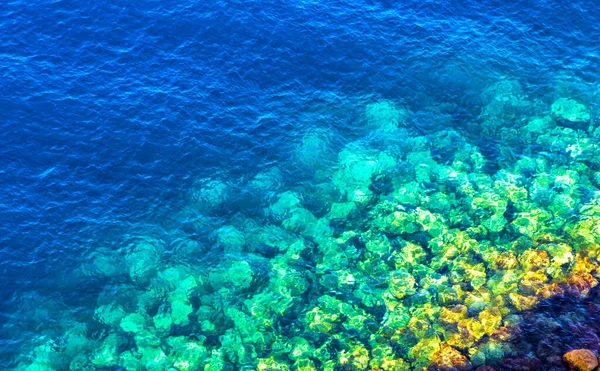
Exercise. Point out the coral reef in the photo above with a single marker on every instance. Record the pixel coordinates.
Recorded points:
(414, 251)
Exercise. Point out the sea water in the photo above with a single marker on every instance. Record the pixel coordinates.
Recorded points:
(298, 185)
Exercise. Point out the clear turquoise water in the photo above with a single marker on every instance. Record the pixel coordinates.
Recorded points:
(176, 122)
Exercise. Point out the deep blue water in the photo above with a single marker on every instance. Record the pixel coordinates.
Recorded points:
(110, 111)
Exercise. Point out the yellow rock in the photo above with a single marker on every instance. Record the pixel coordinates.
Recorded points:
(448, 358)
(533, 282)
(480, 298)
(452, 315)
(425, 349)
(534, 259)
(357, 357)
(473, 327)
(490, 321)
(523, 302)
(506, 260)
(503, 282)
(461, 340)
(418, 326)
(582, 282)
(586, 232)
(503, 333)
(551, 289)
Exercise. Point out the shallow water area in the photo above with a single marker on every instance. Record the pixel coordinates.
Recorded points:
(300, 186)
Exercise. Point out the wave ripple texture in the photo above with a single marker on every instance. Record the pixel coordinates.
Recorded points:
(301, 185)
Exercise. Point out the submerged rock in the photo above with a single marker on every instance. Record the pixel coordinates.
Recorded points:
(581, 360)
(570, 110)
(450, 359)
(386, 116)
